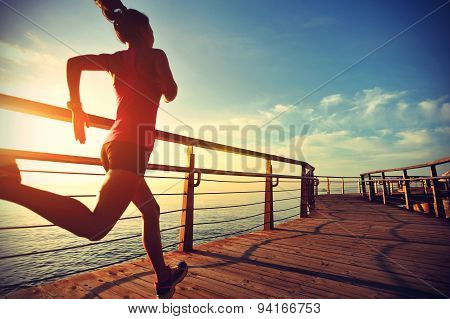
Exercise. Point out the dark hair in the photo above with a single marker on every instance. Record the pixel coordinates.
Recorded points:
(130, 24)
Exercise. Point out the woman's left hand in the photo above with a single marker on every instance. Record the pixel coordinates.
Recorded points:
(79, 121)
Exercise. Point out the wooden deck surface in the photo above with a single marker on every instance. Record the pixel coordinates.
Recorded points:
(347, 248)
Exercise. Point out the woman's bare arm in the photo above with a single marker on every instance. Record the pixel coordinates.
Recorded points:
(81, 63)
(74, 68)
(169, 86)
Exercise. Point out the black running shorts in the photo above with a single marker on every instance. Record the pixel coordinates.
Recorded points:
(125, 156)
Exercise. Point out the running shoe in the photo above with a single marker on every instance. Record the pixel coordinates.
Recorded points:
(166, 289)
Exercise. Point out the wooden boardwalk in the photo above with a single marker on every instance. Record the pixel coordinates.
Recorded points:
(347, 248)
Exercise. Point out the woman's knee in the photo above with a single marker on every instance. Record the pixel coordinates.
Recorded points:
(152, 213)
(95, 233)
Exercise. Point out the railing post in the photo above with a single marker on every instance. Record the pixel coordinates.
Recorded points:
(268, 205)
(343, 186)
(187, 215)
(312, 193)
(359, 187)
(407, 190)
(307, 193)
(363, 186)
(384, 189)
(437, 201)
(304, 194)
(316, 188)
(328, 186)
(371, 188)
(392, 190)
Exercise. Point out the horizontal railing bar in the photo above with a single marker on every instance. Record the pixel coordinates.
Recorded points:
(286, 209)
(32, 253)
(162, 213)
(16, 104)
(92, 174)
(247, 192)
(443, 160)
(413, 179)
(227, 220)
(244, 230)
(229, 234)
(339, 182)
(71, 159)
(206, 171)
(230, 181)
(243, 205)
(284, 218)
(229, 206)
(52, 225)
(324, 176)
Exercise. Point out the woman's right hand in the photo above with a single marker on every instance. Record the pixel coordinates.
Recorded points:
(79, 120)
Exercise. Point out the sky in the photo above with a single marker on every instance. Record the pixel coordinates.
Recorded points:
(270, 71)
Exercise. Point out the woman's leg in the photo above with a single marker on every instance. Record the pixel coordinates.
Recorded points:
(150, 210)
(115, 195)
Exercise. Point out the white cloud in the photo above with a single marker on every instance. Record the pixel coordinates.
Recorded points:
(357, 142)
(27, 57)
(446, 111)
(347, 152)
(281, 108)
(402, 106)
(429, 106)
(384, 132)
(413, 138)
(443, 130)
(35, 39)
(372, 99)
(266, 114)
(307, 111)
(333, 99)
(276, 110)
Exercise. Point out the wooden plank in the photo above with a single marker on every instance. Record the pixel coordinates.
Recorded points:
(432, 260)
(221, 286)
(295, 283)
(351, 274)
(377, 261)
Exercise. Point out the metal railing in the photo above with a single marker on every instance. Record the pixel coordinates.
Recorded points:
(344, 185)
(428, 194)
(192, 179)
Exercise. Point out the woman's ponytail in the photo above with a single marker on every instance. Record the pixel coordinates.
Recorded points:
(131, 25)
(113, 10)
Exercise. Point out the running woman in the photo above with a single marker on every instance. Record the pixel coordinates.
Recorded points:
(142, 76)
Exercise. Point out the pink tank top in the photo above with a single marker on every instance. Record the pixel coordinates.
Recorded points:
(138, 92)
